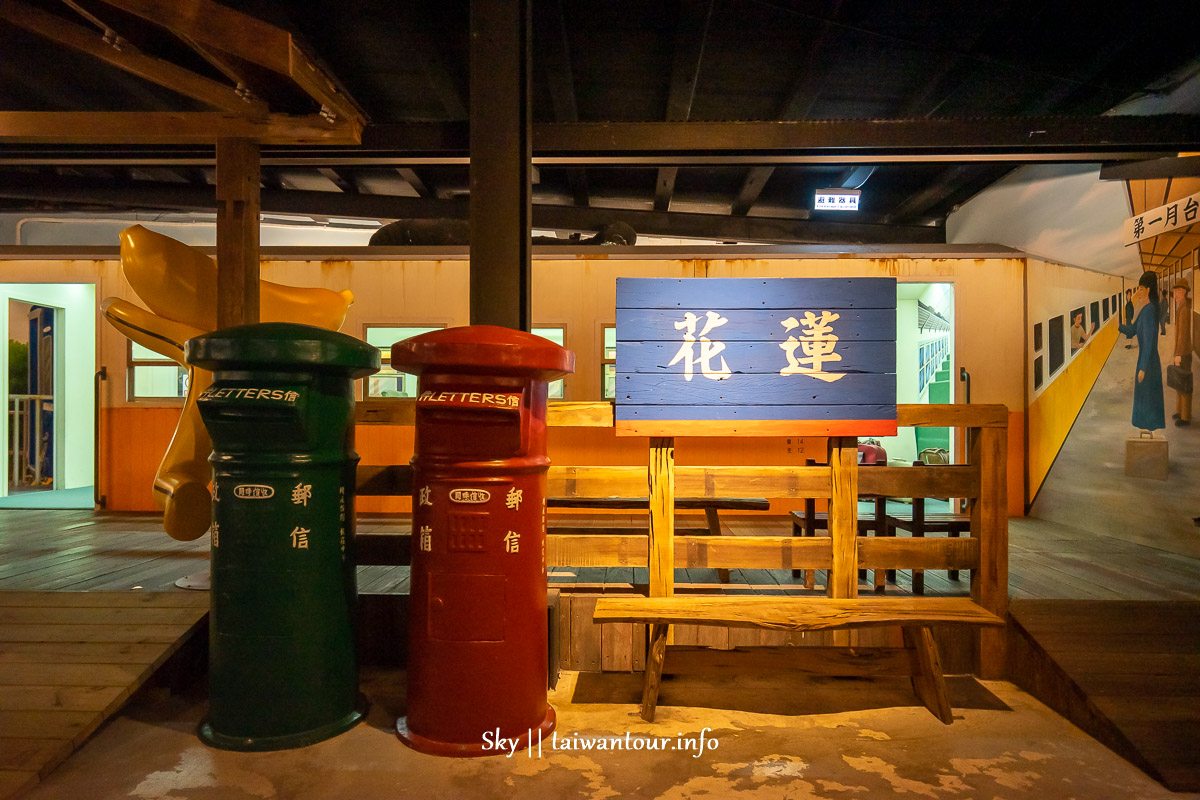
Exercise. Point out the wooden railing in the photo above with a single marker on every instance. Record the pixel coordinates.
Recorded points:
(982, 481)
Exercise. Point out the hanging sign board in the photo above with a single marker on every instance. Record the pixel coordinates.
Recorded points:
(1179, 214)
(836, 199)
(756, 357)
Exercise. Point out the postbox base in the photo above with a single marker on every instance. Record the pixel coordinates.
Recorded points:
(287, 742)
(454, 750)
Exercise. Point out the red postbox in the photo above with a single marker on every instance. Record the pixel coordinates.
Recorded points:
(477, 645)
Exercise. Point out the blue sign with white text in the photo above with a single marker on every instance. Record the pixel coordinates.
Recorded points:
(756, 356)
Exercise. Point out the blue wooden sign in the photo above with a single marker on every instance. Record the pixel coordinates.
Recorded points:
(756, 356)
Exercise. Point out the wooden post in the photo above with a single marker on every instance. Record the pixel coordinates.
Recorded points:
(237, 232)
(989, 522)
(843, 516)
(661, 475)
(500, 163)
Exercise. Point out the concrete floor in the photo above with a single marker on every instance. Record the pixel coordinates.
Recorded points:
(769, 738)
(1003, 744)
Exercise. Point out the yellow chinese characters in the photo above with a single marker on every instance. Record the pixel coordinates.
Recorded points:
(817, 341)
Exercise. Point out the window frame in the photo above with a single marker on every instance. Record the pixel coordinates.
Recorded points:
(560, 382)
(385, 362)
(605, 361)
(132, 362)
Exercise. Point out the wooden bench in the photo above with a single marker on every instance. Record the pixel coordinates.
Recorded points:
(918, 523)
(710, 506)
(918, 658)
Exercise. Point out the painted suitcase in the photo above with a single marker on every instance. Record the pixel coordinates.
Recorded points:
(1146, 457)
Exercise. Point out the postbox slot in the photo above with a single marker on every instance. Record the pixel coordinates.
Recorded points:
(466, 608)
(478, 433)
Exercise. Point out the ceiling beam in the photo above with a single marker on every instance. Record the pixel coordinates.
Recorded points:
(128, 58)
(1181, 167)
(250, 39)
(554, 50)
(752, 186)
(412, 179)
(1005, 139)
(168, 127)
(338, 179)
(967, 137)
(691, 35)
(419, 39)
(932, 193)
(173, 196)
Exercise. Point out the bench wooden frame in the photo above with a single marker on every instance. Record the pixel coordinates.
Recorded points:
(710, 506)
(985, 553)
(918, 659)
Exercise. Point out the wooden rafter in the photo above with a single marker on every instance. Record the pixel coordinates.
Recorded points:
(167, 127)
(691, 33)
(128, 58)
(250, 39)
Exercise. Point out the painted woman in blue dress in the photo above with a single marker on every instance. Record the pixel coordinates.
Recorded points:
(1148, 413)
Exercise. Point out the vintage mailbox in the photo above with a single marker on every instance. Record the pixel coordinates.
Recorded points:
(477, 621)
(282, 667)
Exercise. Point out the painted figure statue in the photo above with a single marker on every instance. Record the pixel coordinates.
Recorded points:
(178, 284)
(1148, 411)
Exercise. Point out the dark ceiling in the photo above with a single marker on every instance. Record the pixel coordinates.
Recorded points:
(921, 103)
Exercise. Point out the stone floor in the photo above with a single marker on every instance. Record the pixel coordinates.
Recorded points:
(761, 738)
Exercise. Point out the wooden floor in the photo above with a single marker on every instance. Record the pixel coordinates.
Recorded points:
(1124, 671)
(70, 660)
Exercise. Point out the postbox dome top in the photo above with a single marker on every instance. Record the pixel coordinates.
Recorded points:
(282, 347)
(483, 350)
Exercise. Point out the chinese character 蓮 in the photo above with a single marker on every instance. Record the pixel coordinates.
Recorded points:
(512, 542)
(708, 349)
(426, 496)
(817, 340)
(426, 538)
(300, 538)
(301, 494)
(513, 498)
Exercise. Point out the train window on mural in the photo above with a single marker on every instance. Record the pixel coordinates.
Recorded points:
(1037, 373)
(1079, 329)
(1105, 307)
(1055, 348)
(388, 382)
(608, 364)
(1037, 337)
(558, 335)
(152, 376)
(1095, 317)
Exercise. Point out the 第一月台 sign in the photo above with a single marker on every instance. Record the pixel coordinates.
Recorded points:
(756, 357)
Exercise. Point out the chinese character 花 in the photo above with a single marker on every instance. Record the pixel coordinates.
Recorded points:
(708, 349)
(817, 340)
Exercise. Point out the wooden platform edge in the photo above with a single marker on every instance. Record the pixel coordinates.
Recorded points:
(1033, 670)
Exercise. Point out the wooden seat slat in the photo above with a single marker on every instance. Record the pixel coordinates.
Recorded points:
(795, 613)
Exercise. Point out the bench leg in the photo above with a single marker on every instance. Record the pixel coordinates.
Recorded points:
(953, 574)
(927, 680)
(880, 530)
(714, 529)
(654, 668)
(807, 529)
(918, 532)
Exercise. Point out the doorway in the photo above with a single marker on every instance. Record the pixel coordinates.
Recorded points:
(49, 362)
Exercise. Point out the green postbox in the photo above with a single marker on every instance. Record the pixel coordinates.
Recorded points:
(282, 667)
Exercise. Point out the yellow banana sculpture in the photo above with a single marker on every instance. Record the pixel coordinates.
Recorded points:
(178, 284)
